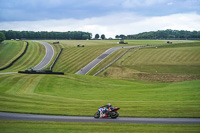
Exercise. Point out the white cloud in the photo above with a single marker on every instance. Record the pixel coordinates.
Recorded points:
(136, 3)
(170, 3)
(111, 25)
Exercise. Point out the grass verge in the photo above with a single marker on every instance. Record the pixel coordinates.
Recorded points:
(63, 127)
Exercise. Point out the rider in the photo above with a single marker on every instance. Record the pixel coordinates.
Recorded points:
(108, 107)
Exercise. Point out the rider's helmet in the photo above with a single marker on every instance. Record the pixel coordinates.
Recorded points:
(109, 104)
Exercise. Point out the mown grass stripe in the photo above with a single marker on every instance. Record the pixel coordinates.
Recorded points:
(16, 58)
(9, 51)
(33, 56)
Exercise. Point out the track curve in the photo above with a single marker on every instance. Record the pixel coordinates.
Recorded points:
(32, 117)
(47, 58)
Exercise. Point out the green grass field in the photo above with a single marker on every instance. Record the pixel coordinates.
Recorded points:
(31, 58)
(73, 58)
(9, 50)
(178, 61)
(63, 127)
(126, 85)
(82, 95)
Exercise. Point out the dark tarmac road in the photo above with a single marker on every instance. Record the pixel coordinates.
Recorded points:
(47, 58)
(96, 61)
(32, 117)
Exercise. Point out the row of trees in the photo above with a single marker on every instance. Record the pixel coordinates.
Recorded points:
(163, 34)
(70, 35)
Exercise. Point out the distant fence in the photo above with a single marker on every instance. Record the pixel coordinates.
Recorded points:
(27, 44)
(56, 59)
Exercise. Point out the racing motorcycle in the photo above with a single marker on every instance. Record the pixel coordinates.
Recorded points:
(107, 113)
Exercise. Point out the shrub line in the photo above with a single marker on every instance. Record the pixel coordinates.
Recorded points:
(56, 59)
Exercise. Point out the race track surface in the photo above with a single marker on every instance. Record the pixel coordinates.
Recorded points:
(7, 73)
(47, 58)
(96, 61)
(31, 117)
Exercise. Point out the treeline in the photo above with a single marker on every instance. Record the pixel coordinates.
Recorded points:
(70, 35)
(164, 34)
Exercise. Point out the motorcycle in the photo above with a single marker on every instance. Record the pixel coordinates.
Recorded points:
(107, 113)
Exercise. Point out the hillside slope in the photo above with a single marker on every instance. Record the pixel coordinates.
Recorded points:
(176, 60)
(82, 95)
(31, 58)
(9, 50)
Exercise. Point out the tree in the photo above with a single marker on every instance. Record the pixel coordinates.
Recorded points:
(96, 36)
(103, 37)
(2, 37)
(122, 36)
(85, 37)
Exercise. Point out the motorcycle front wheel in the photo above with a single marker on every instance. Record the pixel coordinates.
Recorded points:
(97, 115)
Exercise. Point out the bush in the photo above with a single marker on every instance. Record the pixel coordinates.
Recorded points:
(2, 37)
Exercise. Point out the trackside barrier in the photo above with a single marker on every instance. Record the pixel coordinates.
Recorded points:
(41, 72)
(27, 44)
(56, 59)
(123, 55)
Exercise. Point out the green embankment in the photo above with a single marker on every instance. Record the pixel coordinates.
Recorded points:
(82, 95)
(34, 54)
(73, 58)
(9, 50)
(180, 60)
(79, 95)
(63, 127)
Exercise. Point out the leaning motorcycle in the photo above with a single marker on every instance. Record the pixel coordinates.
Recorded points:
(110, 113)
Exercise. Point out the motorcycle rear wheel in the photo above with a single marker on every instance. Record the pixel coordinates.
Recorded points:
(114, 115)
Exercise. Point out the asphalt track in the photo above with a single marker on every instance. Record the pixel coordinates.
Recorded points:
(47, 58)
(32, 117)
(96, 61)
(8, 73)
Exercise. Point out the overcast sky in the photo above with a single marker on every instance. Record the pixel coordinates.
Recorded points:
(109, 17)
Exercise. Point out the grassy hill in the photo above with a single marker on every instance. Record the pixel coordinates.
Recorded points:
(177, 61)
(9, 50)
(73, 58)
(123, 85)
(82, 95)
(66, 95)
(31, 58)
